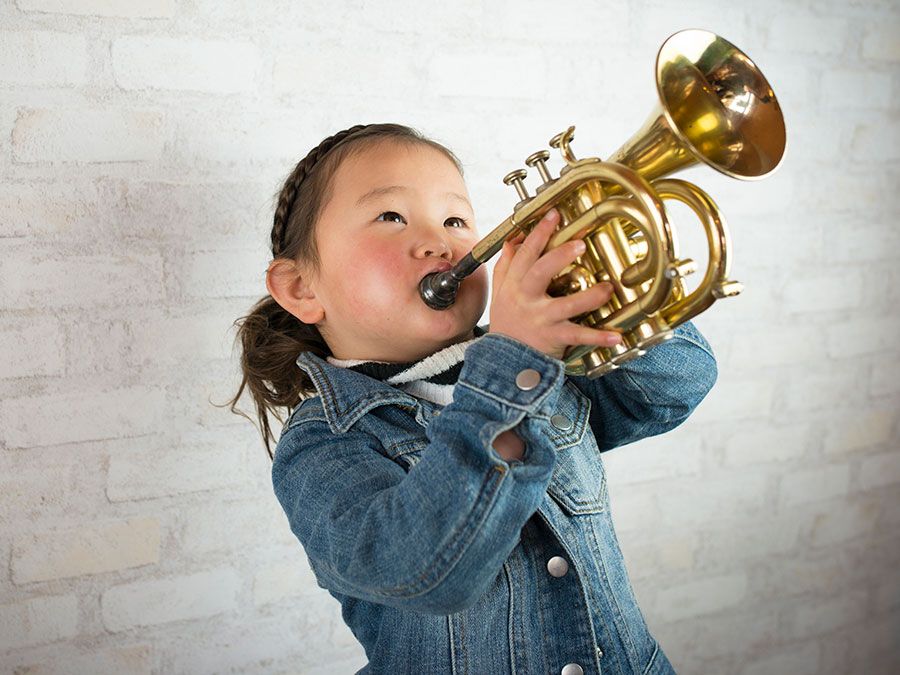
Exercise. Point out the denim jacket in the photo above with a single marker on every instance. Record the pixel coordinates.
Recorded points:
(448, 559)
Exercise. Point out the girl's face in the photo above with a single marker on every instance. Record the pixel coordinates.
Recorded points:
(396, 211)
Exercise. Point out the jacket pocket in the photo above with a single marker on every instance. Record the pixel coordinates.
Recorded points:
(408, 452)
(578, 483)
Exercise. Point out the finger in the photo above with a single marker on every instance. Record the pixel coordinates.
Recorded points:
(574, 304)
(576, 334)
(550, 264)
(502, 264)
(533, 245)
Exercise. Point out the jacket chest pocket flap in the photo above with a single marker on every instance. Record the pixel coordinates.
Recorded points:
(578, 483)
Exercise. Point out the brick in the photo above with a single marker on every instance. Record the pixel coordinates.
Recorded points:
(714, 498)
(275, 582)
(659, 19)
(35, 58)
(774, 444)
(254, 646)
(80, 416)
(805, 573)
(877, 140)
(158, 601)
(843, 181)
(44, 356)
(299, 72)
(831, 387)
(43, 209)
(244, 141)
(853, 519)
(218, 274)
(133, 659)
(735, 398)
(818, 617)
(795, 344)
(873, 239)
(859, 430)
(87, 135)
(715, 635)
(801, 33)
(657, 458)
(822, 482)
(880, 41)
(756, 538)
(216, 66)
(186, 468)
(235, 214)
(37, 276)
(824, 292)
(677, 553)
(495, 74)
(98, 343)
(886, 376)
(880, 470)
(38, 621)
(29, 492)
(856, 89)
(132, 9)
(634, 507)
(707, 596)
(206, 530)
(887, 594)
(189, 335)
(101, 547)
(800, 659)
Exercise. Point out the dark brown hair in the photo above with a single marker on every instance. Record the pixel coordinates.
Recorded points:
(271, 338)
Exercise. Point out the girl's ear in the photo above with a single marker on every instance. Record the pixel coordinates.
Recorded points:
(292, 291)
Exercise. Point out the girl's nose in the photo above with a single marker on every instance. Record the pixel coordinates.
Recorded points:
(435, 247)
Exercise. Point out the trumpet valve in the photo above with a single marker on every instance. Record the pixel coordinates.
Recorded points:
(727, 289)
(561, 141)
(539, 160)
(515, 178)
(681, 268)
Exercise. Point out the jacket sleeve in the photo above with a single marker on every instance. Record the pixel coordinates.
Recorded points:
(653, 393)
(434, 538)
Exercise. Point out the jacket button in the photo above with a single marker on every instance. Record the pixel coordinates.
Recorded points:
(557, 566)
(572, 669)
(599, 653)
(561, 422)
(528, 379)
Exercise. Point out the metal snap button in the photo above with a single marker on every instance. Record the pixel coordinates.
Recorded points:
(561, 422)
(572, 669)
(599, 653)
(557, 566)
(528, 379)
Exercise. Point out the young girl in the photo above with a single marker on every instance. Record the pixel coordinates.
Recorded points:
(445, 480)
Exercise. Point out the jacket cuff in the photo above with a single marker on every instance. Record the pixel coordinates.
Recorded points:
(511, 372)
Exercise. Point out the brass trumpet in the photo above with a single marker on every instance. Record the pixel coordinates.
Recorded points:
(714, 107)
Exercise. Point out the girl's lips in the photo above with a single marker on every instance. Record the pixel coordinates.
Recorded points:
(440, 267)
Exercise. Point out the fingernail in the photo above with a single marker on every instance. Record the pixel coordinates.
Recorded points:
(579, 247)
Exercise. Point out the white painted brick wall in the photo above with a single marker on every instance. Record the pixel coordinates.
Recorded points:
(141, 145)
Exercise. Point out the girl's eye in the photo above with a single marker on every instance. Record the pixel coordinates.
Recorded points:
(462, 222)
(391, 215)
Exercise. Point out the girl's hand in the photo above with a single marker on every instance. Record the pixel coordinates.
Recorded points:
(522, 309)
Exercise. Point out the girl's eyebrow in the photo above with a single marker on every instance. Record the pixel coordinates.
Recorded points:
(377, 192)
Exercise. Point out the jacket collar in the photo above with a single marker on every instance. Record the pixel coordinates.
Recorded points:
(346, 395)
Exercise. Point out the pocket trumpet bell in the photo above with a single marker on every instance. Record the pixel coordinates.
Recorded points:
(715, 107)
